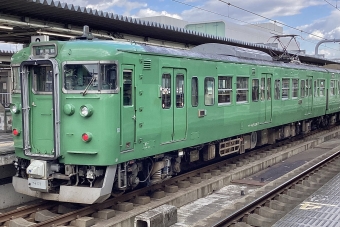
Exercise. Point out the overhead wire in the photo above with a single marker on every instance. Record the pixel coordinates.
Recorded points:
(275, 21)
(335, 6)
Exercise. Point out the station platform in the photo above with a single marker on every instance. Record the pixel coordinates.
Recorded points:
(322, 208)
(6, 149)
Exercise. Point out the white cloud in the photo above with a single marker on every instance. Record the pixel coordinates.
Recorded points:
(151, 13)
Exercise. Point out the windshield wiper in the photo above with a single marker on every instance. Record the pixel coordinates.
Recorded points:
(90, 83)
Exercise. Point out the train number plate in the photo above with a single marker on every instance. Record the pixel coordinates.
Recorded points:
(38, 184)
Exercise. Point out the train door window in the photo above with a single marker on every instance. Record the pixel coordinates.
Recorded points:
(127, 88)
(316, 88)
(242, 89)
(285, 88)
(166, 91)
(16, 79)
(303, 88)
(42, 79)
(269, 82)
(295, 88)
(209, 91)
(179, 90)
(263, 91)
(224, 89)
(255, 90)
(194, 91)
(322, 88)
(277, 89)
(332, 88)
(338, 87)
(108, 75)
(308, 87)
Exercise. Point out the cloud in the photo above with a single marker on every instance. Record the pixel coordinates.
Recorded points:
(151, 13)
(269, 9)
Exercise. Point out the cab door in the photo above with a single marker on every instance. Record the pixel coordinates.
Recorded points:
(128, 110)
(173, 105)
(40, 108)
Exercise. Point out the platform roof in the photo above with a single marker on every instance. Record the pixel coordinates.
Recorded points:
(28, 17)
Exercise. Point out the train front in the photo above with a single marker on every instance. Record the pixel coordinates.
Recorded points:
(66, 120)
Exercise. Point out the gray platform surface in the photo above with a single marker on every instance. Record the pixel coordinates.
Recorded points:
(6, 149)
(320, 209)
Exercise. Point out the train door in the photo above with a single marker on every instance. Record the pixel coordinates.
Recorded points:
(40, 108)
(309, 95)
(266, 98)
(174, 113)
(128, 110)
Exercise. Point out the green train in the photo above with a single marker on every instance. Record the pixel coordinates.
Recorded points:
(92, 117)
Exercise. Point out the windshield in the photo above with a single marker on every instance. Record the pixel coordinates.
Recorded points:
(90, 77)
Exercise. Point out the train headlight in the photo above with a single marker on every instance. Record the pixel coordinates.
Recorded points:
(14, 108)
(86, 110)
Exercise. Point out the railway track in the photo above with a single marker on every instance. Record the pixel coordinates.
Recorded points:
(28, 215)
(270, 207)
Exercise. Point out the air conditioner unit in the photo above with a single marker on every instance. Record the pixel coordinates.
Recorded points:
(40, 38)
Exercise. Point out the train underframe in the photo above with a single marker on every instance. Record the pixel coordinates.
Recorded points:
(93, 184)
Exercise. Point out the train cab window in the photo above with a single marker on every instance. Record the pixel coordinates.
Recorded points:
(209, 91)
(108, 76)
(179, 90)
(303, 88)
(165, 91)
(285, 88)
(16, 79)
(42, 79)
(242, 90)
(224, 89)
(322, 88)
(269, 82)
(295, 88)
(277, 89)
(81, 77)
(194, 91)
(255, 90)
(127, 88)
(263, 87)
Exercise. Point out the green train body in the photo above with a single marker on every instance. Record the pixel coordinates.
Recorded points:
(90, 116)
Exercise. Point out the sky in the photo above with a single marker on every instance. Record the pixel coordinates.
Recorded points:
(312, 20)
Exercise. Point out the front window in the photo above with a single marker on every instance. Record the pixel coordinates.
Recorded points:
(285, 88)
(242, 89)
(209, 91)
(42, 78)
(295, 90)
(224, 89)
(16, 79)
(90, 77)
(322, 88)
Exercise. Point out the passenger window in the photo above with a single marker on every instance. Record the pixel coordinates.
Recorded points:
(224, 89)
(285, 88)
(295, 90)
(303, 88)
(242, 89)
(255, 90)
(269, 82)
(277, 89)
(127, 88)
(166, 88)
(209, 91)
(194, 91)
(42, 78)
(322, 88)
(263, 87)
(108, 73)
(179, 90)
